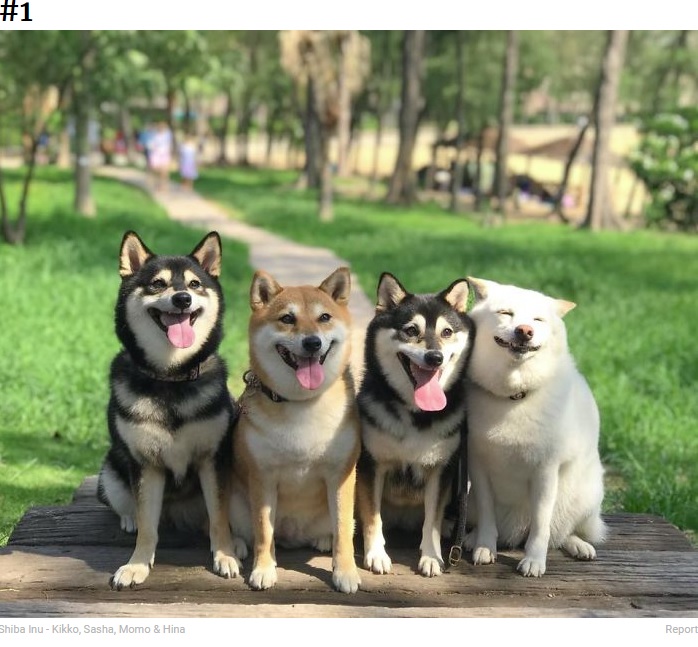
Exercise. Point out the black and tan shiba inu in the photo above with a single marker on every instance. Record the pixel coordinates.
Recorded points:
(412, 408)
(298, 438)
(170, 414)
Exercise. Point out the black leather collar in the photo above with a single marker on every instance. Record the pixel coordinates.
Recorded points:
(252, 381)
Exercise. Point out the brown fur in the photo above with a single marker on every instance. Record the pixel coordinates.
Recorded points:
(296, 458)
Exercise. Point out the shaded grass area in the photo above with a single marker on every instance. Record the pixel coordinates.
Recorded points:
(632, 332)
(58, 337)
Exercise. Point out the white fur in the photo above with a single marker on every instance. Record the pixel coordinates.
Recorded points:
(534, 461)
(159, 447)
(300, 457)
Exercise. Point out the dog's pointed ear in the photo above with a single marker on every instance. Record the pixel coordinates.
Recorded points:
(480, 287)
(456, 295)
(208, 254)
(263, 289)
(133, 255)
(390, 292)
(338, 285)
(562, 307)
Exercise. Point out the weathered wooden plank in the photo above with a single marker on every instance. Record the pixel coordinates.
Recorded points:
(82, 573)
(59, 560)
(41, 608)
(89, 523)
(94, 524)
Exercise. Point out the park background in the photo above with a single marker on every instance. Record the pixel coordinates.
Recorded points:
(563, 161)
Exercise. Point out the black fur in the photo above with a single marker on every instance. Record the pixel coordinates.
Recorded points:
(166, 388)
(377, 391)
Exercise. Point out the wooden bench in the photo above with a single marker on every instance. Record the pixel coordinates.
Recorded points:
(59, 559)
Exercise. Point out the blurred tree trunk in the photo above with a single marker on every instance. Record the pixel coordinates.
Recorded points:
(382, 104)
(506, 118)
(326, 206)
(248, 102)
(225, 129)
(171, 95)
(82, 106)
(600, 208)
(313, 140)
(376, 153)
(673, 68)
(457, 171)
(242, 137)
(186, 117)
(127, 130)
(344, 105)
(402, 182)
(477, 180)
(558, 207)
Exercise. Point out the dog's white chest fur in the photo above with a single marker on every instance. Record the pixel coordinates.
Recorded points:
(312, 434)
(426, 448)
(175, 451)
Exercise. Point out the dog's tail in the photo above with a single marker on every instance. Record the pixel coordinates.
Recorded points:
(593, 529)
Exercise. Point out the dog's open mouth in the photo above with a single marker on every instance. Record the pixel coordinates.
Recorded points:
(178, 326)
(428, 392)
(309, 370)
(517, 349)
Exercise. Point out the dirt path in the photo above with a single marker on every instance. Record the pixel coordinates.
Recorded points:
(288, 262)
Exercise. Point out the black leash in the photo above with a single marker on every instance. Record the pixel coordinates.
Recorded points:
(456, 552)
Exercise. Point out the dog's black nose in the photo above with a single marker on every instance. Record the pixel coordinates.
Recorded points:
(434, 358)
(181, 300)
(312, 344)
(523, 332)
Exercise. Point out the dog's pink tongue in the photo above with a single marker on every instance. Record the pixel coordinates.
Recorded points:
(179, 330)
(428, 394)
(310, 373)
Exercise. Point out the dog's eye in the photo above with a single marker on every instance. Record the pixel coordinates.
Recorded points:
(411, 331)
(538, 319)
(325, 317)
(158, 284)
(506, 313)
(288, 319)
(194, 285)
(446, 332)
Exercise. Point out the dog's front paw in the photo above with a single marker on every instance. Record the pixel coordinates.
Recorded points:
(129, 575)
(531, 567)
(263, 578)
(377, 561)
(128, 524)
(430, 566)
(579, 549)
(346, 581)
(484, 555)
(240, 548)
(225, 565)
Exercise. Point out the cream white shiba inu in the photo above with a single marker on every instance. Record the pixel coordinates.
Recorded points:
(533, 432)
(298, 438)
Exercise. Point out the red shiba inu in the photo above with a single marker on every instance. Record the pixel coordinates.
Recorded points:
(298, 438)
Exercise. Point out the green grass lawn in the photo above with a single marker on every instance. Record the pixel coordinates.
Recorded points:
(58, 332)
(632, 332)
